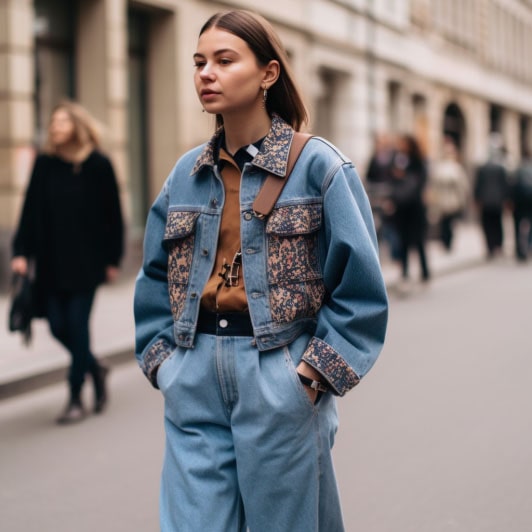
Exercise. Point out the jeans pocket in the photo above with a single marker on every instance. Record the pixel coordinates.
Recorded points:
(294, 378)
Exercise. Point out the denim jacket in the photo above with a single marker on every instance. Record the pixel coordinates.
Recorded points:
(312, 265)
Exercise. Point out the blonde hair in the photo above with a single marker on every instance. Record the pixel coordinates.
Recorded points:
(284, 97)
(87, 130)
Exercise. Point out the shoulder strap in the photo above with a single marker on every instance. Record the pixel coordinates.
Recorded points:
(271, 190)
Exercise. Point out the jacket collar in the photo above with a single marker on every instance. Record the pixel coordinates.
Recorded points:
(272, 156)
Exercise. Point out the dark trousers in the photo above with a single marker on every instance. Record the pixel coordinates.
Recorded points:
(447, 230)
(523, 231)
(492, 227)
(419, 246)
(68, 315)
(411, 226)
(389, 234)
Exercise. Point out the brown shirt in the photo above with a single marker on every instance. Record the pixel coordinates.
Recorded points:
(217, 296)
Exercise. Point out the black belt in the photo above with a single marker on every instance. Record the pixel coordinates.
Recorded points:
(225, 323)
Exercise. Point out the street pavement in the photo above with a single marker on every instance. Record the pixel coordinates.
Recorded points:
(44, 361)
(437, 437)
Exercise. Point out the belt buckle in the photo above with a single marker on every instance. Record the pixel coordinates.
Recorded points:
(234, 270)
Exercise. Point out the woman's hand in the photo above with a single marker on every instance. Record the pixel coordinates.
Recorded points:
(388, 207)
(111, 274)
(19, 265)
(308, 371)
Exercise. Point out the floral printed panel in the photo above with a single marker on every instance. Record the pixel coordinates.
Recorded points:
(179, 240)
(177, 293)
(294, 274)
(295, 219)
(331, 365)
(291, 301)
(154, 357)
(179, 224)
(293, 253)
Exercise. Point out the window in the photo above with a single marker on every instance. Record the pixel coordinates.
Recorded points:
(54, 26)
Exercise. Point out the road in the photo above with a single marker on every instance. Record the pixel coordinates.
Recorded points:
(438, 437)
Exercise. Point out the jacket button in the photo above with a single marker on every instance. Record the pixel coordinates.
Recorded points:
(214, 202)
(248, 216)
(204, 252)
(194, 294)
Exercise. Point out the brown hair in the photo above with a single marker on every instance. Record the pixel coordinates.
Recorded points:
(413, 147)
(284, 97)
(86, 128)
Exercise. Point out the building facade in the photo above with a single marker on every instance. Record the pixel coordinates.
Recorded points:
(428, 67)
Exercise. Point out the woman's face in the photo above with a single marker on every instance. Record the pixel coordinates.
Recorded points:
(61, 127)
(228, 77)
(402, 145)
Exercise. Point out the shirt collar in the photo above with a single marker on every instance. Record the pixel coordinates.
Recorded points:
(272, 156)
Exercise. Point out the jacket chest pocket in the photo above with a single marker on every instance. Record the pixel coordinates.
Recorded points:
(179, 236)
(294, 273)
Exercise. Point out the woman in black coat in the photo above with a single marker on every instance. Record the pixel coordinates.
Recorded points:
(71, 230)
(409, 178)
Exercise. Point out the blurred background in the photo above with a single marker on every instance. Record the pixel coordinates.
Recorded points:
(440, 437)
(432, 68)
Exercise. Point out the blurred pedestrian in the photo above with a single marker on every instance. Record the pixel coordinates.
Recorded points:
(380, 163)
(71, 231)
(379, 187)
(449, 192)
(491, 192)
(407, 202)
(522, 207)
(252, 322)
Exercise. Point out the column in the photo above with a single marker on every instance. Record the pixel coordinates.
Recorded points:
(16, 117)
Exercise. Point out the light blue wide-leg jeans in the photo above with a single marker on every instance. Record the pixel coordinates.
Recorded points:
(245, 447)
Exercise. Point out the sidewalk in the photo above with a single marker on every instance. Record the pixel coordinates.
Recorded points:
(45, 361)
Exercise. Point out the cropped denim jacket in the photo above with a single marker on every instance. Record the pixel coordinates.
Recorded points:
(311, 266)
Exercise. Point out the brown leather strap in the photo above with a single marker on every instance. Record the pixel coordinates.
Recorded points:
(271, 190)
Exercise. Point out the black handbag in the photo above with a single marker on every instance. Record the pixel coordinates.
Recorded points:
(21, 310)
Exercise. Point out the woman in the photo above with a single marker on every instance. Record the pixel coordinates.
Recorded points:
(71, 228)
(251, 326)
(521, 196)
(409, 178)
(378, 186)
(492, 191)
(449, 192)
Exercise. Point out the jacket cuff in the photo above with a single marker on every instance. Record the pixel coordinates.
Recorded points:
(335, 370)
(154, 357)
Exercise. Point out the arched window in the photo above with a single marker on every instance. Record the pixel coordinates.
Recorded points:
(454, 125)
